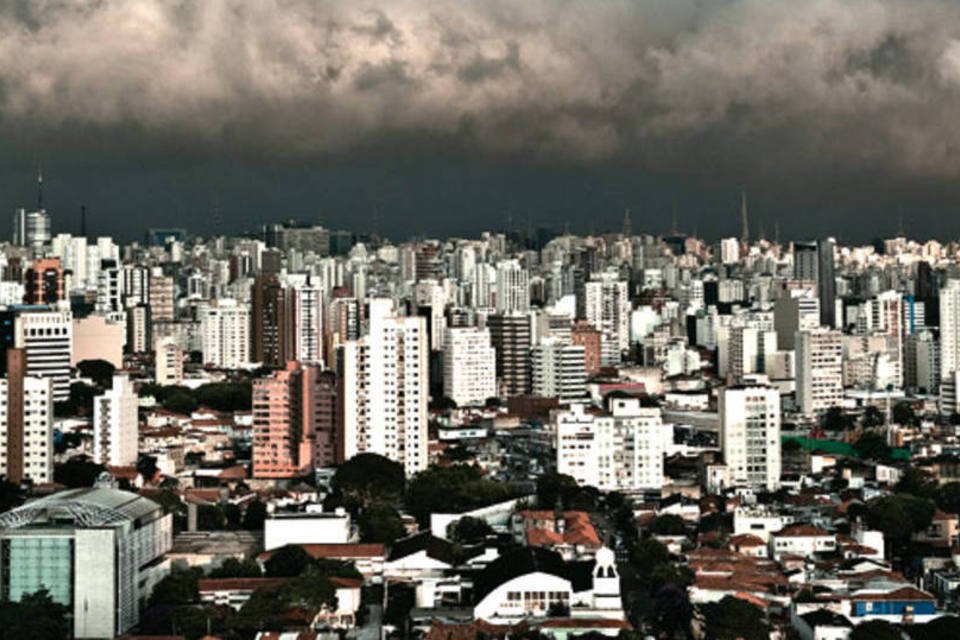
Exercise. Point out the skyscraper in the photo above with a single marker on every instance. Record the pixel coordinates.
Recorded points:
(750, 435)
(510, 336)
(225, 333)
(469, 366)
(819, 363)
(115, 424)
(513, 287)
(607, 307)
(814, 262)
(269, 322)
(47, 338)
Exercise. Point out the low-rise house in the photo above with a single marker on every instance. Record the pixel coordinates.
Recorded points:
(368, 558)
(801, 540)
(570, 533)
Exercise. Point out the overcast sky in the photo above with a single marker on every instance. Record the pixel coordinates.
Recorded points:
(444, 116)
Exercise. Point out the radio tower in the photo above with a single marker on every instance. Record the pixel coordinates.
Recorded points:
(39, 187)
(744, 221)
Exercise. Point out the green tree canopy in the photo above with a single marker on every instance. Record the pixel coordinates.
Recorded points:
(177, 588)
(380, 522)
(225, 396)
(875, 630)
(369, 477)
(287, 561)
(667, 525)
(100, 371)
(254, 516)
(948, 497)
(452, 489)
(834, 419)
(469, 530)
(78, 471)
(734, 619)
(872, 417)
(235, 568)
(34, 617)
(903, 413)
(899, 516)
(308, 592)
(872, 445)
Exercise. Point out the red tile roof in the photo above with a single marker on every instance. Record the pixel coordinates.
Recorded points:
(320, 551)
(236, 584)
(903, 593)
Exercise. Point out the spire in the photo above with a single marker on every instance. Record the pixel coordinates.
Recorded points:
(627, 231)
(39, 187)
(83, 221)
(744, 221)
(674, 229)
(776, 232)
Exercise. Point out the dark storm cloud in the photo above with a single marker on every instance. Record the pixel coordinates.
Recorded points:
(873, 81)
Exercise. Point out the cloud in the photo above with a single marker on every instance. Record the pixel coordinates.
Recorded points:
(678, 83)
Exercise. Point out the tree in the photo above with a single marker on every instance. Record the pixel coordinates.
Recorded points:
(552, 487)
(948, 497)
(255, 516)
(78, 471)
(468, 530)
(180, 402)
(875, 630)
(380, 522)
(872, 446)
(100, 371)
(917, 482)
(147, 467)
(899, 516)
(872, 417)
(646, 554)
(211, 517)
(903, 413)
(671, 610)
(942, 627)
(225, 396)
(734, 619)
(309, 591)
(34, 617)
(452, 489)
(834, 419)
(790, 446)
(177, 588)
(235, 568)
(667, 525)
(287, 561)
(11, 496)
(368, 477)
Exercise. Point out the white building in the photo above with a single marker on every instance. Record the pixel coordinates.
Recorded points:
(750, 435)
(168, 362)
(96, 561)
(36, 453)
(225, 333)
(386, 386)
(513, 286)
(47, 338)
(949, 331)
(620, 451)
(559, 370)
(115, 424)
(306, 302)
(469, 366)
(607, 307)
(819, 366)
(729, 250)
(312, 526)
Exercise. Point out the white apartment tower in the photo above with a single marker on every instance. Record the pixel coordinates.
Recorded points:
(619, 451)
(115, 422)
(949, 328)
(819, 364)
(225, 333)
(47, 338)
(385, 388)
(559, 370)
(607, 307)
(469, 366)
(36, 456)
(168, 361)
(750, 435)
(513, 286)
(307, 311)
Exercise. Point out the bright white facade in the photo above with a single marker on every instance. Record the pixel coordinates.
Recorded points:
(37, 429)
(385, 388)
(469, 366)
(310, 527)
(819, 365)
(168, 361)
(607, 307)
(47, 338)
(513, 286)
(225, 333)
(115, 424)
(620, 451)
(750, 435)
(559, 370)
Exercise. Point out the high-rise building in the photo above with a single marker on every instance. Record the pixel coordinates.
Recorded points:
(558, 370)
(26, 430)
(43, 282)
(750, 435)
(95, 560)
(31, 229)
(729, 251)
(607, 307)
(139, 328)
(162, 296)
(510, 336)
(469, 366)
(269, 322)
(819, 364)
(168, 362)
(109, 287)
(385, 387)
(292, 421)
(225, 334)
(46, 336)
(949, 328)
(617, 451)
(795, 313)
(513, 287)
(814, 262)
(115, 424)
(590, 339)
(305, 322)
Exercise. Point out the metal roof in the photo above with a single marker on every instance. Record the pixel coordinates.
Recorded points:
(83, 508)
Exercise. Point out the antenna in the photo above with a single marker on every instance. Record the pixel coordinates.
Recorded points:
(627, 227)
(674, 229)
(744, 220)
(776, 232)
(39, 187)
(83, 221)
